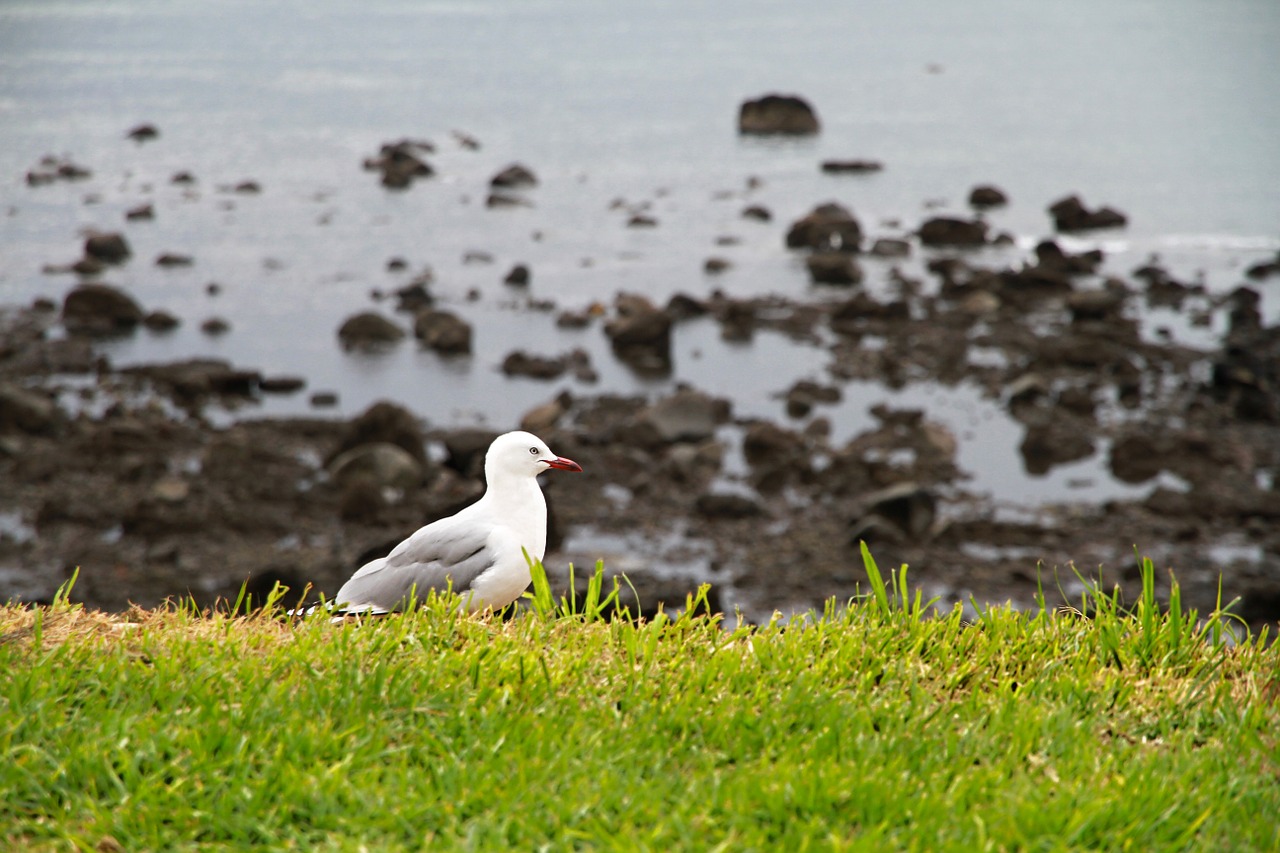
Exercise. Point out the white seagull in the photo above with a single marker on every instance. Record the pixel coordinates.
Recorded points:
(478, 553)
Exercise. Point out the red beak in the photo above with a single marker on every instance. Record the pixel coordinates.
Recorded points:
(565, 464)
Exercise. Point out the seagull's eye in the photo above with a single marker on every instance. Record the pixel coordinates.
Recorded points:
(533, 451)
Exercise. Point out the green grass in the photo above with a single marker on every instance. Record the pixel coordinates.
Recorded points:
(872, 726)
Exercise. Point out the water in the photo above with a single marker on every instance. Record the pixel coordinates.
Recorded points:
(1166, 110)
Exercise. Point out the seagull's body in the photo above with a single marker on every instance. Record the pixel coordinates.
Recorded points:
(478, 553)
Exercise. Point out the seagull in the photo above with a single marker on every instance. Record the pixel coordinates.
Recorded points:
(479, 553)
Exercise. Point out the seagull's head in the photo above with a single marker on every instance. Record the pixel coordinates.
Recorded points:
(523, 454)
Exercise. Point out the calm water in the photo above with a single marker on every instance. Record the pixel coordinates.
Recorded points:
(1168, 110)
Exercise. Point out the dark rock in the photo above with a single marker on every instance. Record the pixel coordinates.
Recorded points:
(323, 399)
(247, 188)
(890, 247)
(851, 167)
(986, 195)
(1070, 214)
(641, 335)
(682, 306)
(1264, 269)
(189, 381)
(382, 463)
(685, 416)
(1045, 446)
(767, 445)
(141, 212)
(400, 164)
(99, 308)
(143, 133)
(108, 247)
(777, 114)
(505, 200)
(514, 176)
(26, 411)
(726, 505)
(170, 259)
(466, 450)
(518, 277)
(715, 266)
(215, 326)
(862, 306)
(160, 321)
(833, 268)
(281, 384)
(642, 220)
(903, 512)
(1088, 306)
(757, 212)
(52, 169)
(952, 231)
(1050, 256)
(802, 397)
(182, 178)
(368, 329)
(520, 363)
(397, 264)
(443, 332)
(827, 227)
(384, 422)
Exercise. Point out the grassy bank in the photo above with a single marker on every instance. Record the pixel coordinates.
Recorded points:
(874, 727)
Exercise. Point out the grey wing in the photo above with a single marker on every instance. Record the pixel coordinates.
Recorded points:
(438, 556)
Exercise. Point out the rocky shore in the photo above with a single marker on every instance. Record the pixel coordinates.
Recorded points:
(132, 475)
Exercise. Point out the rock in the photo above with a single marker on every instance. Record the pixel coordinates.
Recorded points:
(191, 380)
(384, 423)
(182, 178)
(641, 335)
(160, 321)
(368, 329)
(1049, 255)
(520, 363)
(143, 133)
(384, 464)
(400, 164)
(851, 167)
(281, 384)
(108, 247)
(903, 512)
(141, 212)
(1070, 214)
(323, 399)
(802, 397)
(518, 277)
(986, 195)
(26, 411)
(1263, 269)
(514, 176)
(99, 308)
(1088, 306)
(51, 168)
(543, 418)
(827, 227)
(766, 445)
(443, 332)
(685, 416)
(504, 200)
(726, 505)
(247, 188)
(833, 268)
(1045, 446)
(466, 450)
(642, 220)
(215, 326)
(890, 247)
(682, 306)
(757, 212)
(777, 114)
(715, 266)
(172, 259)
(952, 231)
